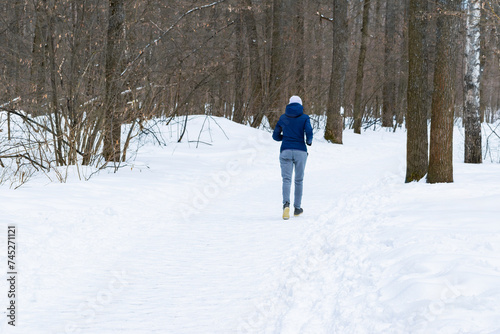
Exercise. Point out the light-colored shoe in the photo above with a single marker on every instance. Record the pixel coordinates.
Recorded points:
(286, 211)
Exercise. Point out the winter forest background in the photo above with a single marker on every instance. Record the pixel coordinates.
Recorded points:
(75, 72)
(165, 108)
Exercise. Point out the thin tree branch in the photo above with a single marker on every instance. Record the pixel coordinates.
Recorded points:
(206, 41)
(29, 120)
(27, 157)
(155, 42)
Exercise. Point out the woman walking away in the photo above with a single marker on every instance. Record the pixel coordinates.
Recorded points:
(290, 130)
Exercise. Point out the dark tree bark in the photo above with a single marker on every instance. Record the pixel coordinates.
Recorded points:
(15, 28)
(114, 65)
(275, 93)
(73, 117)
(300, 49)
(389, 89)
(334, 124)
(358, 107)
(276, 64)
(39, 55)
(443, 97)
(417, 158)
(402, 65)
(256, 91)
(239, 115)
(55, 110)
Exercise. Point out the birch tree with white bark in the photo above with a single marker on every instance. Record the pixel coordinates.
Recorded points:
(472, 118)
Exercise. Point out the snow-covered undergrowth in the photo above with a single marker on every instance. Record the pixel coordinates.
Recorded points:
(27, 150)
(188, 238)
(29, 145)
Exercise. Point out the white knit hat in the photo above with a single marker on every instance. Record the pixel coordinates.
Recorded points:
(295, 99)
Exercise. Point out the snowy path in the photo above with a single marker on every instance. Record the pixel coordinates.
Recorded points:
(327, 285)
(194, 243)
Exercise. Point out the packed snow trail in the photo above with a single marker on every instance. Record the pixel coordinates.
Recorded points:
(191, 240)
(328, 286)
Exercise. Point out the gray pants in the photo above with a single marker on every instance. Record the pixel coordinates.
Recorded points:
(289, 159)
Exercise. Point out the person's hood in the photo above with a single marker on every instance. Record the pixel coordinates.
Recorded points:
(294, 110)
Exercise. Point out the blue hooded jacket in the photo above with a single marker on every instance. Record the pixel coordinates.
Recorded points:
(291, 127)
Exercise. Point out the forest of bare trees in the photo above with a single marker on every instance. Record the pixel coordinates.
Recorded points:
(76, 71)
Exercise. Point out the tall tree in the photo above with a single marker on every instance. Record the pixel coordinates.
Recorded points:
(334, 126)
(75, 40)
(389, 89)
(55, 111)
(473, 153)
(256, 90)
(15, 28)
(402, 63)
(39, 55)
(114, 65)
(358, 107)
(239, 115)
(443, 97)
(299, 49)
(483, 54)
(417, 147)
(276, 61)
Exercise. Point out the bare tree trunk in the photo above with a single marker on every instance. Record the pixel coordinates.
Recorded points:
(15, 45)
(402, 65)
(53, 72)
(358, 107)
(417, 110)
(315, 73)
(276, 65)
(114, 54)
(256, 91)
(239, 115)
(443, 97)
(334, 123)
(16, 31)
(39, 55)
(300, 50)
(389, 89)
(473, 153)
(73, 119)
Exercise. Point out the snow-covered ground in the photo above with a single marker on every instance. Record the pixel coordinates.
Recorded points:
(188, 239)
